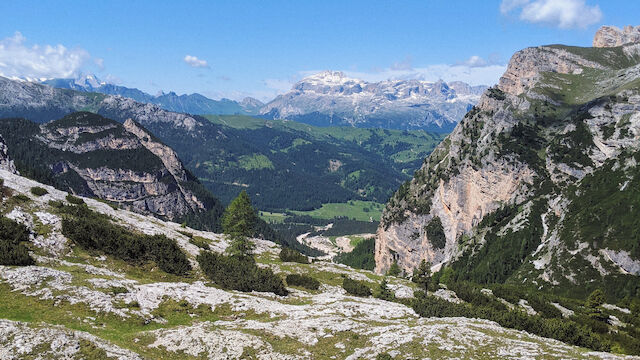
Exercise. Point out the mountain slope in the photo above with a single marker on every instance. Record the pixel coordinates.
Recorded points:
(192, 104)
(535, 185)
(122, 163)
(287, 165)
(333, 99)
(87, 304)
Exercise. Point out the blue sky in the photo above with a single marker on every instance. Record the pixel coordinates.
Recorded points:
(260, 48)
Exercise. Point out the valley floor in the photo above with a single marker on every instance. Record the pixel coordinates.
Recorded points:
(77, 305)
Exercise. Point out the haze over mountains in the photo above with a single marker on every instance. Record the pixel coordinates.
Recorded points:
(193, 103)
(328, 98)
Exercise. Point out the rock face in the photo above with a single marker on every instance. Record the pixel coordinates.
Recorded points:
(512, 190)
(331, 98)
(5, 162)
(94, 156)
(611, 36)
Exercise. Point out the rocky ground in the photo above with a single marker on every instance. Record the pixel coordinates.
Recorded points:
(76, 305)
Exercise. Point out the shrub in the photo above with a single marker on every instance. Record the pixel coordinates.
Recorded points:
(94, 231)
(22, 198)
(383, 292)
(240, 273)
(356, 287)
(12, 239)
(199, 242)
(394, 269)
(290, 255)
(74, 200)
(56, 204)
(119, 290)
(304, 281)
(565, 330)
(435, 233)
(39, 191)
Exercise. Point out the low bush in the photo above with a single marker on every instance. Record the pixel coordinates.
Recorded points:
(74, 200)
(56, 204)
(39, 191)
(12, 239)
(561, 329)
(290, 255)
(94, 231)
(22, 198)
(240, 273)
(200, 242)
(356, 287)
(304, 281)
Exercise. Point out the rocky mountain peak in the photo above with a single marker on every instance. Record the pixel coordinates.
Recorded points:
(612, 36)
(332, 98)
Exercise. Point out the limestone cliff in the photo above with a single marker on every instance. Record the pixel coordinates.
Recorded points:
(611, 36)
(502, 198)
(5, 162)
(94, 156)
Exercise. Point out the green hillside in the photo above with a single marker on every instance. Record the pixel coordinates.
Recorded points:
(285, 165)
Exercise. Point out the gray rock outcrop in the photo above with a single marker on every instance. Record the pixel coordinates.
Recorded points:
(612, 36)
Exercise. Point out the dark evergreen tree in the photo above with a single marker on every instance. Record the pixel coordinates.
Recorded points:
(383, 292)
(422, 275)
(394, 269)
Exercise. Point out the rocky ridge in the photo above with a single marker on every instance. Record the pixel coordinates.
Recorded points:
(331, 98)
(518, 166)
(43, 103)
(127, 314)
(187, 103)
(612, 36)
(122, 163)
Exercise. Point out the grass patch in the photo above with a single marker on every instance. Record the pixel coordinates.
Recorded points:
(353, 209)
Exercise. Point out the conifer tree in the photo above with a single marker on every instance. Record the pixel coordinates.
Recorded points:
(383, 292)
(239, 222)
(394, 269)
(422, 275)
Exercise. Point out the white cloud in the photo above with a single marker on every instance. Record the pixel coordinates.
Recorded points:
(39, 62)
(193, 61)
(564, 14)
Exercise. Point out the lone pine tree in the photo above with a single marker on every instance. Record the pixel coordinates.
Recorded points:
(239, 223)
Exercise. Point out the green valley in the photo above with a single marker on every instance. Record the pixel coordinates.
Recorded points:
(289, 166)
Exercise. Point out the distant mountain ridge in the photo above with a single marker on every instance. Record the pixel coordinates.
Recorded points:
(195, 103)
(331, 98)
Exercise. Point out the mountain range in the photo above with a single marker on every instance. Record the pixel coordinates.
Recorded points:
(196, 104)
(538, 184)
(283, 165)
(331, 98)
